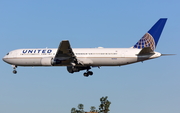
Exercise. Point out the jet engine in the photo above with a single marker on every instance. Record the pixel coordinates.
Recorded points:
(48, 61)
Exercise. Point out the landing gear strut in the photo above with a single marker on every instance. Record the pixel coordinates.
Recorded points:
(14, 67)
(86, 74)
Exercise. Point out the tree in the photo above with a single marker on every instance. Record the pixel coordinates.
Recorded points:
(81, 108)
(103, 107)
(73, 110)
(93, 109)
(105, 104)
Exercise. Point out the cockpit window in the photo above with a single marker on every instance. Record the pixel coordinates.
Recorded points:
(7, 54)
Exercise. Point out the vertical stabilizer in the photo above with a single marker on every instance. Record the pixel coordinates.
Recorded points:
(150, 39)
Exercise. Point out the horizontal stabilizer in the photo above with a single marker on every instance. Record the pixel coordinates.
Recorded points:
(146, 51)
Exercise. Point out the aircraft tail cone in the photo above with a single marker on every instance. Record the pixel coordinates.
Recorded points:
(167, 54)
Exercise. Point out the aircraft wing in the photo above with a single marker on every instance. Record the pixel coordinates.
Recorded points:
(65, 54)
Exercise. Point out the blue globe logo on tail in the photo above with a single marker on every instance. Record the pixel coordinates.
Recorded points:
(146, 41)
(151, 38)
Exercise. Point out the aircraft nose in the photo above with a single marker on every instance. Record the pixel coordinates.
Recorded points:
(4, 59)
(7, 60)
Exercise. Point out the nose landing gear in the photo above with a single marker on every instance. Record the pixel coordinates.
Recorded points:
(14, 71)
(14, 67)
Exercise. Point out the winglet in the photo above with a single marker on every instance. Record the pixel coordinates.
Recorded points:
(151, 38)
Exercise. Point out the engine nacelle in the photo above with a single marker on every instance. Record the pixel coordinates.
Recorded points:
(72, 69)
(55, 62)
(46, 61)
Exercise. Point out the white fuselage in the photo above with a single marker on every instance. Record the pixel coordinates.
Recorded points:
(86, 56)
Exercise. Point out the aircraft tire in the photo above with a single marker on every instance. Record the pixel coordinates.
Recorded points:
(86, 74)
(90, 73)
(14, 71)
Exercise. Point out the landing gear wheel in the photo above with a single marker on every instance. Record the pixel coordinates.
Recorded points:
(14, 71)
(90, 73)
(86, 74)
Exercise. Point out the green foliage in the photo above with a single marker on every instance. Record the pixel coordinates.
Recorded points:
(93, 109)
(103, 107)
(79, 110)
(73, 110)
(81, 107)
(105, 104)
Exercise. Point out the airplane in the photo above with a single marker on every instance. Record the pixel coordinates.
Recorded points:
(78, 59)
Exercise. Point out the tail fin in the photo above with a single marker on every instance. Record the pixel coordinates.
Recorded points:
(150, 39)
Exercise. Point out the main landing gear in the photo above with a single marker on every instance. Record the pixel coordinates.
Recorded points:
(14, 67)
(86, 74)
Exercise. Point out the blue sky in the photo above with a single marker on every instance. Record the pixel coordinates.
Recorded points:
(152, 86)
